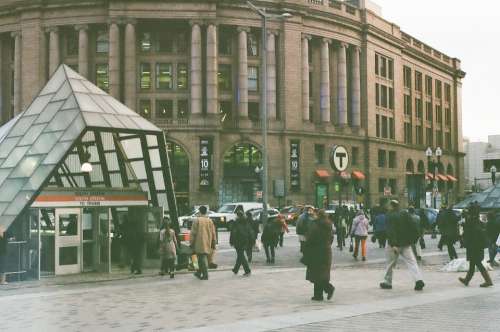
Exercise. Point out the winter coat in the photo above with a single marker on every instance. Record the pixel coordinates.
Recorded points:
(380, 223)
(168, 244)
(271, 233)
(401, 230)
(475, 240)
(242, 236)
(448, 224)
(360, 226)
(416, 220)
(318, 251)
(493, 228)
(203, 235)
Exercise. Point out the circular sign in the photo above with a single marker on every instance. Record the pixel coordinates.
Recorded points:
(339, 158)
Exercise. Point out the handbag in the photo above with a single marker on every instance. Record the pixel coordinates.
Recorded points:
(351, 246)
(374, 238)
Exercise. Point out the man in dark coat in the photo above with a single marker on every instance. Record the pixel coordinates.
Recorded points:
(318, 256)
(448, 226)
(133, 236)
(401, 234)
(493, 231)
(241, 238)
(254, 224)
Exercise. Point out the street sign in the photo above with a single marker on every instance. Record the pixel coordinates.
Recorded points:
(339, 158)
(258, 194)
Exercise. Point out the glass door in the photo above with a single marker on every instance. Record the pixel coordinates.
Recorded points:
(104, 241)
(68, 241)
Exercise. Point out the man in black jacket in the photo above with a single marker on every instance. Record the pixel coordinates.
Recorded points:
(448, 226)
(401, 234)
(241, 237)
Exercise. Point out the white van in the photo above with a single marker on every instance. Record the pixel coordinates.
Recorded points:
(226, 214)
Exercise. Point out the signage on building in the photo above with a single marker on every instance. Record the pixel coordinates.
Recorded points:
(295, 165)
(279, 188)
(206, 169)
(106, 198)
(339, 158)
(387, 191)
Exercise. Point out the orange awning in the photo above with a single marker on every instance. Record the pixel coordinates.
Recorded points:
(452, 178)
(442, 177)
(322, 173)
(358, 175)
(429, 176)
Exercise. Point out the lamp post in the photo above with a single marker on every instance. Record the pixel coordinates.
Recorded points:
(263, 98)
(432, 164)
(493, 171)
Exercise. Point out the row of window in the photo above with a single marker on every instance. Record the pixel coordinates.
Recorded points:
(164, 109)
(384, 96)
(428, 110)
(320, 156)
(384, 66)
(429, 138)
(385, 127)
(384, 161)
(407, 79)
(391, 183)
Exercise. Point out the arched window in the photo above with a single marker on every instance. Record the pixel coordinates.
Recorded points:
(421, 167)
(241, 160)
(410, 167)
(179, 163)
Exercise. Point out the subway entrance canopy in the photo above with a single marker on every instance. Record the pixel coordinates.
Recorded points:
(70, 123)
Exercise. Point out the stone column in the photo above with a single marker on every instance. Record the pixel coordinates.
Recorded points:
(54, 56)
(355, 87)
(342, 84)
(130, 65)
(17, 72)
(242, 73)
(83, 49)
(196, 96)
(305, 77)
(212, 91)
(114, 59)
(325, 81)
(271, 75)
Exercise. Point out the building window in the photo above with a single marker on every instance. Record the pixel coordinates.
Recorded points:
(428, 86)
(447, 92)
(428, 111)
(164, 76)
(165, 43)
(384, 96)
(182, 76)
(252, 44)
(319, 153)
(164, 109)
(407, 105)
(225, 109)
(407, 77)
(381, 184)
(224, 77)
(145, 108)
(146, 42)
(418, 108)
(447, 116)
(391, 98)
(102, 76)
(181, 42)
(392, 159)
(253, 78)
(355, 156)
(72, 43)
(392, 129)
(439, 89)
(385, 129)
(384, 66)
(253, 111)
(382, 158)
(418, 81)
(145, 76)
(439, 138)
(419, 135)
(429, 137)
(102, 41)
(311, 113)
(182, 109)
(393, 186)
(448, 140)
(377, 94)
(377, 124)
(408, 133)
(439, 114)
(225, 43)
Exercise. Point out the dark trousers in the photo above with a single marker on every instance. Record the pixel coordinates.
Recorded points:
(492, 250)
(472, 269)
(269, 249)
(382, 239)
(203, 265)
(249, 252)
(282, 236)
(320, 288)
(340, 238)
(167, 265)
(136, 260)
(450, 244)
(241, 260)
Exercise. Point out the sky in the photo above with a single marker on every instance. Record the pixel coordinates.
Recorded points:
(467, 30)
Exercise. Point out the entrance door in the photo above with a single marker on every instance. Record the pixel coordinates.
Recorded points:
(104, 241)
(68, 241)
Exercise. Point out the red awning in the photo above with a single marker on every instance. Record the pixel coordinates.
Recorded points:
(442, 177)
(322, 173)
(429, 176)
(358, 175)
(452, 178)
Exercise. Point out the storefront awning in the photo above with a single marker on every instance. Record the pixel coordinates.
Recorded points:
(322, 173)
(358, 175)
(452, 178)
(429, 176)
(442, 177)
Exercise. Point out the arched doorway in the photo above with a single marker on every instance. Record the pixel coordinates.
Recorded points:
(179, 164)
(241, 174)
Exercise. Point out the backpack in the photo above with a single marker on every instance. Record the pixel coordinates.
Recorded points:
(411, 229)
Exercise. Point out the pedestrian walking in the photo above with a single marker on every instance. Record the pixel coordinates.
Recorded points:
(168, 249)
(493, 231)
(255, 232)
(284, 228)
(133, 237)
(448, 226)
(241, 238)
(475, 240)
(360, 233)
(401, 234)
(202, 242)
(4, 240)
(318, 256)
(416, 248)
(303, 224)
(379, 227)
(270, 239)
(341, 226)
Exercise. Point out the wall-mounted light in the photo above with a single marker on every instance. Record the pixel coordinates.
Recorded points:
(86, 166)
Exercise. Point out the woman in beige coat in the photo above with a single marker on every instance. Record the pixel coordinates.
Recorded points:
(202, 242)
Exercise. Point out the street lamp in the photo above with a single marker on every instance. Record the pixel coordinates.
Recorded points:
(263, 96)
(432, 164)
(493, 171)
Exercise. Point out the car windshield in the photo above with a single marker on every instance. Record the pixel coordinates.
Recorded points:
(229, 208)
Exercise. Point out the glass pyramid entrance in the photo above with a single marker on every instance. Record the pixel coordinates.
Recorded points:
(72, 122)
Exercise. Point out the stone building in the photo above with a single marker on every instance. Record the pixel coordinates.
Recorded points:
(338, 74)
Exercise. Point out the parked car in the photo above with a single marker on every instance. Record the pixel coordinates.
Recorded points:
(226, 215)
(291, 213)
(187, 221)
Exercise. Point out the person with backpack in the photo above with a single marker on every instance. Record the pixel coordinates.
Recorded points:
(360, 233)
(241, 238)
(379, 227)
(302, 225)
(475, 240)
(401, 234)
(168, 249)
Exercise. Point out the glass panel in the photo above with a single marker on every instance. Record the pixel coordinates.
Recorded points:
(68, 256)
(7, 220)
(145, 76)
(152, 140)
(68, 224)
(102, 41)
(77, 86)
(94, 120)
(113, 121)
(45, 142)
(63, 92)
(88, 255)
(19, 202)
(62, 120)
(10, 188)
(32, 134)
(26, 167)
(162, 201)
(154, 155)
(96, 174)
(71, 73)
(70, 103)
(87, 225)
(22, 125)
(107, 141)
(132, 148)
(57, 153)
(102, 76)
(92, 88)
(129, 124)
(4, 173)
(41, 174)
(38, 104)
(86, 103)
(55, 82)
(112, 162)
(99, 100)
(118, 107)
(182, 76)
(163, 76)
(14, 157)
(144, 124)
(7, 145)
(139, 169)
(3, 206)
(159, 182)
(116, 180)
(74, 130)
(49, 111)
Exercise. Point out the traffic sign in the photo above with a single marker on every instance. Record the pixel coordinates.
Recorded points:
(339, 158)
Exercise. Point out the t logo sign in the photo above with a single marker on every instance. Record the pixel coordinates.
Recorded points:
(339, 158)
